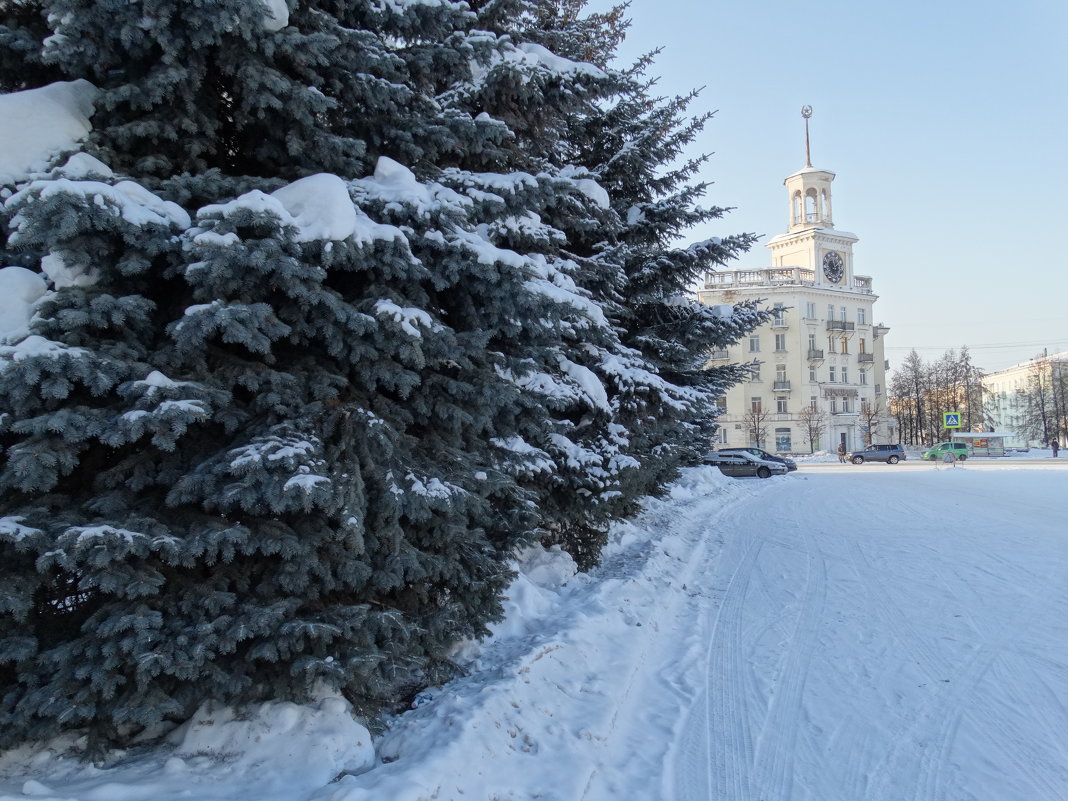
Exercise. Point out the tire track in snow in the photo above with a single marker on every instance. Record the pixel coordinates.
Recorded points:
(941, 715)
(894, 618)
(773, 768)
(1037, 753)
(696, 555)
(726, 758)
(717, 760)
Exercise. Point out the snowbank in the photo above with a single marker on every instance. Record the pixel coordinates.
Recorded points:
(276, 754)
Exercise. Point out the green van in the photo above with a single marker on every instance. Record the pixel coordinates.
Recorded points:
(939, 451)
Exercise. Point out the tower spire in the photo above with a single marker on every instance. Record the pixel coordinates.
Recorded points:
(806, 112)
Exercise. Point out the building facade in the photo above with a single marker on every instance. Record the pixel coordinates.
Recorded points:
(819, 373)
(1034, 390)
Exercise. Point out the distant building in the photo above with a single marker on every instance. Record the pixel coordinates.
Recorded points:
(1009, 395)
(822, 351)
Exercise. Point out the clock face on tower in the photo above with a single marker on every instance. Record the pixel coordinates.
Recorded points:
(833, 267)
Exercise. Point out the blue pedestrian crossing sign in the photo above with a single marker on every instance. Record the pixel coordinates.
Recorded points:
(951, 419)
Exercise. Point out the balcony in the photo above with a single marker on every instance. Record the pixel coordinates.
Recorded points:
(779, 323)
(840, 325)
(866, 357)
(781, 386)
(774, 276)
(839, 392)
(719, 355)
(815, 354)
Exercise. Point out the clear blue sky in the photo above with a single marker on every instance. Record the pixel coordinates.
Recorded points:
(946, 124)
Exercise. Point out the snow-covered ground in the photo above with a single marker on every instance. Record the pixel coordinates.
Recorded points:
(884, 633)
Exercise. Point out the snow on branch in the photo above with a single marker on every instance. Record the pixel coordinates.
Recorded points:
(409, 318)
(126, 199)
(38, 124)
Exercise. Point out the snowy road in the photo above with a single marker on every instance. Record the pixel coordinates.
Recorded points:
(886, 634)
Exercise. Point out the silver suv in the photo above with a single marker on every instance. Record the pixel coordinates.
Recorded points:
(891, 454)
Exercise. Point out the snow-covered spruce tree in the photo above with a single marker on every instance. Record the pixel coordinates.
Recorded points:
(540, 95)
(259, 88)
(279, 445)
(660, 396)
(635, 148)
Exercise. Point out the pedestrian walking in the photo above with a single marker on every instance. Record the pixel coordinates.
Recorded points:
(842, 452)
(1056, 447)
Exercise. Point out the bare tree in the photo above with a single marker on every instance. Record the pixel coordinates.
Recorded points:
(872, 414)
(814, 421)
(920, 393)
(756, 423)
(1037, 422)
(908, 395)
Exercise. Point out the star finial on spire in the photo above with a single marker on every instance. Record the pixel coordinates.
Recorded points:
(806, 112)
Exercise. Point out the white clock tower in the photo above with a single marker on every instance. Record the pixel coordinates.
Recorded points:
(810, 240)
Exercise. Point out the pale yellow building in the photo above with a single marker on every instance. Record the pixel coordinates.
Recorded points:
(1007, 393)
(823, 350)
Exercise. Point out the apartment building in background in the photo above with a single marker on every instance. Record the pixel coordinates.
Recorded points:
(1033, 389)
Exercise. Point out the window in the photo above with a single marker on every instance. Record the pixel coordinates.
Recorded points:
(862, 346)
(811, 341)
(780, 372)
(782, 440)
(754, 343)
(845, 375)
(833, 374)
(834, 405)
(755, 406)
(780, 404)
(778, 315)
(812, 403)
(830, 311)
(843, 318)
(863, 377)
(756, 372)
(810, 310)
(812, 375)
(721, 402)
(845, 404)
(832, 344)
(878, 389)
(780, 342)
(862, 315)
(845, 344)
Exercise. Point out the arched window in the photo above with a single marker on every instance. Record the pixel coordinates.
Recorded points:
(811, 206)
(797, 208)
